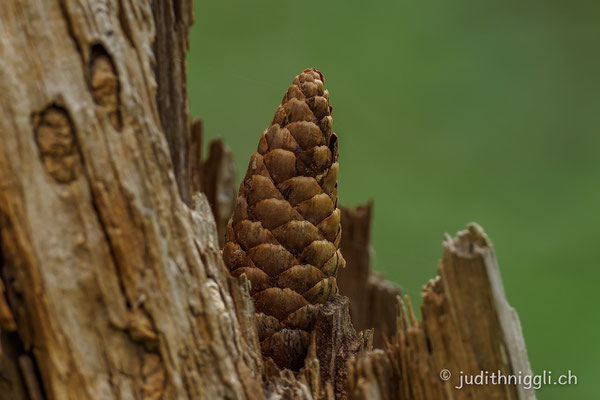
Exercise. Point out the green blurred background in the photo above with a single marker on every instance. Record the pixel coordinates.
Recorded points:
(447, 112)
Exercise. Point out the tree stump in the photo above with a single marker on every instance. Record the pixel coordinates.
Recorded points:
(112, 283)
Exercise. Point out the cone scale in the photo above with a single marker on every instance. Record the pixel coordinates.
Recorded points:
(285, 231)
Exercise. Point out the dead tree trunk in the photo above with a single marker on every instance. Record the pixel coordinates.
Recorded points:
(111, 281)
(116, 286)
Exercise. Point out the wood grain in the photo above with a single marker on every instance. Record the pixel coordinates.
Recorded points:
(116, 286)
(467, 327)
(112, 283)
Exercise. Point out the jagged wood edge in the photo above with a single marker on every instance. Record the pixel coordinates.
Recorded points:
(372, 297)
(467, 325)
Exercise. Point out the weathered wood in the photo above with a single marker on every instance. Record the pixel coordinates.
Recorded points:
(219, 185)
(118, 288)
(172, 22)
(214, 176)
(334, 343)
(12, 384)
(467, 327)
(111, 279)
(373, 299)
(194, 157)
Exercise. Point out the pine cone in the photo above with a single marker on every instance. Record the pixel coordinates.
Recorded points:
(285, 230)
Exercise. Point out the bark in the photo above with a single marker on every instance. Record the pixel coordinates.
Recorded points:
(116, 286)
(112, 284)
(172, 21)
(218, 183)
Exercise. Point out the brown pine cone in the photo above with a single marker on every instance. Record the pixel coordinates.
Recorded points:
(285, 230)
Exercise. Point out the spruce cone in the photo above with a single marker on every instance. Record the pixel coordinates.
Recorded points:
(285, 230)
